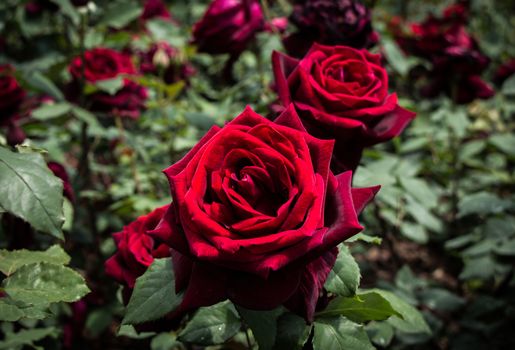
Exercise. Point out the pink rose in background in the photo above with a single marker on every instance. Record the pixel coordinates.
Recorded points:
(341, 93)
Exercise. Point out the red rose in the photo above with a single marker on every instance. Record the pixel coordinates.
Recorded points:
(59, 171)
(155, 9)
(136, 249)
(457, 61)
(257, 215)
(504, 71)
(102, 64)
(11, 94)
(330, 22)
(341, 93)
(228, 26)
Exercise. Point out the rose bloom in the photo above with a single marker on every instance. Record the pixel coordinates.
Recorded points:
(228, 26)
(59, 171)
(12, 96)
(330, 22)
(257, 215)
(136, 250)
(341, 93)
(155, 9)
(457, 61)
(504, 71)
(101, 64)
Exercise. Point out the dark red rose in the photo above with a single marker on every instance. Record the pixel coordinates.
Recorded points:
(341, 93)
(457, 61)
(257, 215)
(15, 134)
(136, 249)
(228, 26)
(330, 22)
(504, 71)
(59, 171)
(164, 59)
(155, 9)
(11, 94)
(102, 64)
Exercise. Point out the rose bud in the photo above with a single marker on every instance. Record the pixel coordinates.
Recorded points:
(162, 55)
(341, 93)
(257, 216)
(330, 22)
(136, 250)
(228, 26)
(102, 64)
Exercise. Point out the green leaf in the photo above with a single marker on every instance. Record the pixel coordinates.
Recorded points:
(396, 57)
(111, 86)
(506, 248)
(9, 312)
(380, 333)
(441, 299)
(508, 87)
(50, 111)
(69, 10)
(29, 190)
(412, 320)
(415, 232)
(344, 278)
(212, 325)
(10, 261)
(164, 341)
(154, 294)
(338, 333)
(504, 142)
(422, 215)
(365, 238)
(292, 332)
(44, 283)
(39, 82)
(420, 191)
(119, 14)
(481, 203)
(27, 337)
(360, 308)
(263, 325)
